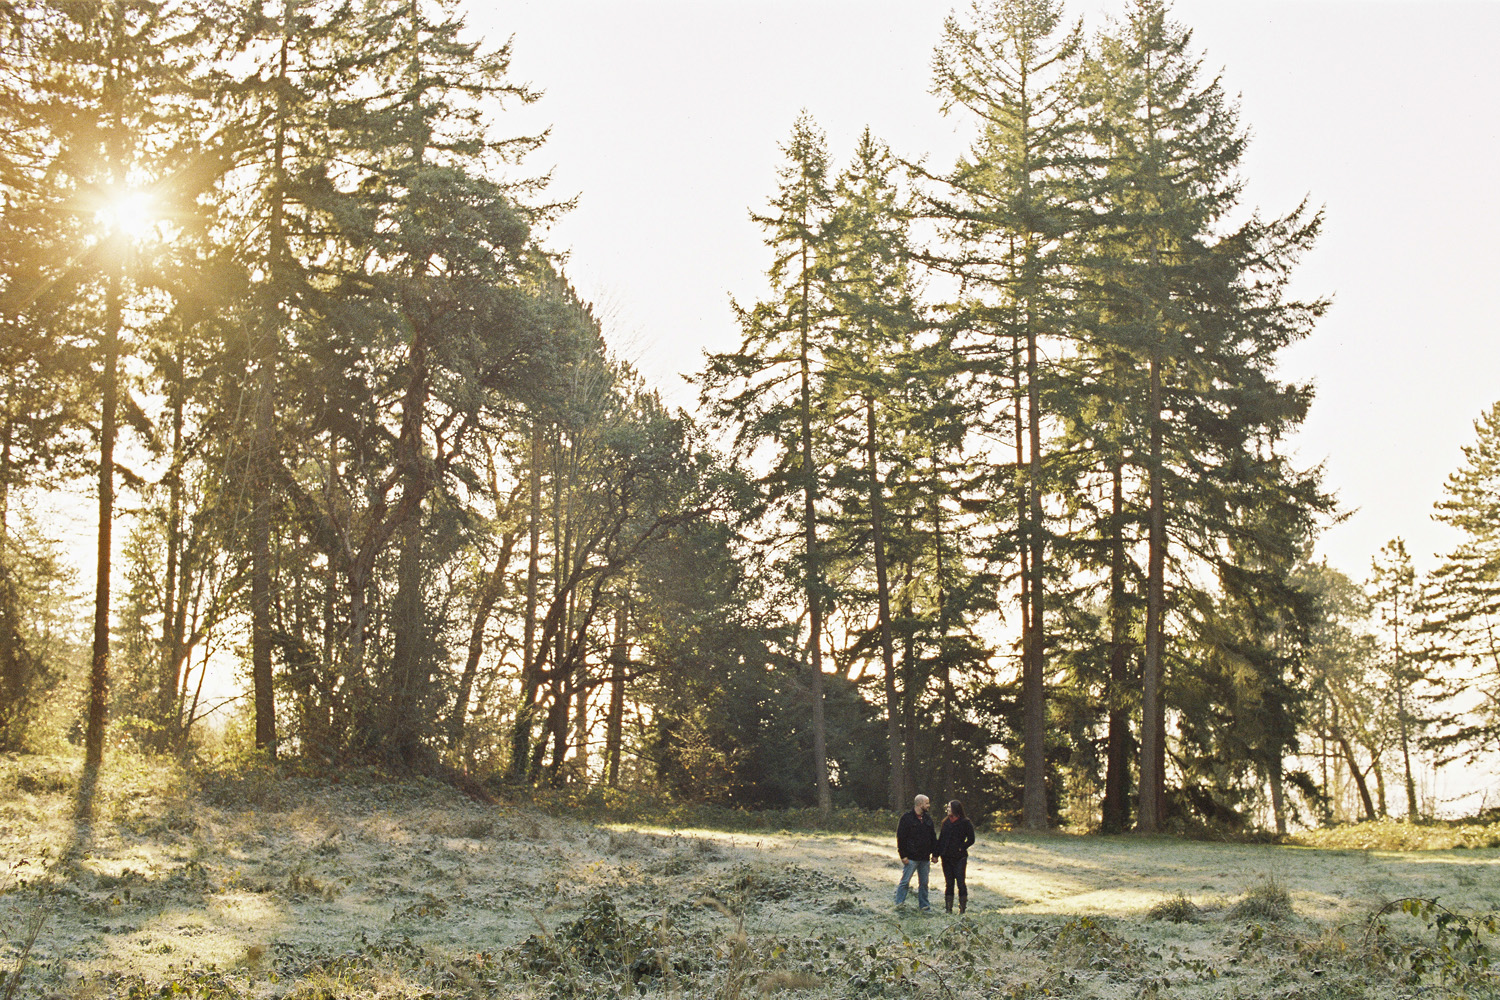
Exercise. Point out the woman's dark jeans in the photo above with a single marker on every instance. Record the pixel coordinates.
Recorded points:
(953, 871)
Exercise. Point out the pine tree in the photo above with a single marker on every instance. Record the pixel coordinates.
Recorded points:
(871, 359)
(1197, 315)
(389, 309)
(1463, 631)
(769, 386)
(1393, 585)
(109, 85)
(1010, 210)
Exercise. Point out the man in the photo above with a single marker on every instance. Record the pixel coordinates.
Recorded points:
(915, 841)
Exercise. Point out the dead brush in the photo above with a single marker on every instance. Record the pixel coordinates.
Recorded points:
(1179, 909)
(428, 910)
(1085, 942)
(462, 827)
(33, 928)
(1267, 900)
(600, 941)
(734, 948)
(302, 882)
(789, 981)
(523, 826)
(628, 843)
(41, 780)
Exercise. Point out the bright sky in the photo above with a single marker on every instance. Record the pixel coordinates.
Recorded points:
(666, 117)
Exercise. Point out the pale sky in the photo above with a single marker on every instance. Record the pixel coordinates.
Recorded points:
(666, 119)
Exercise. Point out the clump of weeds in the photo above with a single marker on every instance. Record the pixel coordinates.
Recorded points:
(1179, 909)
(1267, 900)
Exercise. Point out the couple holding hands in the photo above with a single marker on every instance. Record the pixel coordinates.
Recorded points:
(919, 844)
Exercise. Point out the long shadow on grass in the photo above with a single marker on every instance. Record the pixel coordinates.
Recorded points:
(1048, 871)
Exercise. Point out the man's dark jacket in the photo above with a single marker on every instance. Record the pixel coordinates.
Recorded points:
(915, 837)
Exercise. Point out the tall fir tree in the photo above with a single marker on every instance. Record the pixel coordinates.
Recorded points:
(110, 82)
(1197, 311)
(1010, 207)
(1396, 596)
(872, 356)
(770, 385)
(1462, 633)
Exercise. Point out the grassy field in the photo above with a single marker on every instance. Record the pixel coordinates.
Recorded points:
(251, 885)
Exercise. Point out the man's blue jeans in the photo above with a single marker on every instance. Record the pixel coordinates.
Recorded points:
(921, 866)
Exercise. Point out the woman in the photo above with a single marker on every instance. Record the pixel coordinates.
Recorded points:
(953, 849)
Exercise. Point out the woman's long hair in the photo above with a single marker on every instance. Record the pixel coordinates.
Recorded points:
(957, 808)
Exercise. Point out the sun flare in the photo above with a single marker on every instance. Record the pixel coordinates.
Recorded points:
(131, 213)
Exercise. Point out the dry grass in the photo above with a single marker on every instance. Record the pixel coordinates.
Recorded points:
(1268, 900)
(1397, 835)
(1177, 908)
(260, 884)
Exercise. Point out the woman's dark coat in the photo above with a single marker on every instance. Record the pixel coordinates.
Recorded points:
(955, 839)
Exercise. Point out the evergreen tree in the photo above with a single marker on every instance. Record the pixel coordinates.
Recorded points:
(390, 317)
(872, 355)
(1400, 611)
(769, 386)
(1199, 314)
(1462, 633)
(110, 84)
(1011, 211)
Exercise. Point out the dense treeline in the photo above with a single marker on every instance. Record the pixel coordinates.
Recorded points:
(1000, 505)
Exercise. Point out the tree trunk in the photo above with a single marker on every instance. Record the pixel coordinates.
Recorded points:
(494, 585)
(1278, 799)
(911, 682)
(557, 722)
(581, 720)
(170, 654)
(1153, 707)
(619, 661)
(1330, 807)
(93, 740)
(1379, 785)
(810, 547)
(261, 446)
(406, 701)
(6, 436)
(883, 610)
(1033, 684)
(945, 664)
(520, 744)
(260, 563)
(1357, 775)
(327, 713)
(562, 676)
(1342, 741)
(359, 711)
(1116, 810)
(1400, 678)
